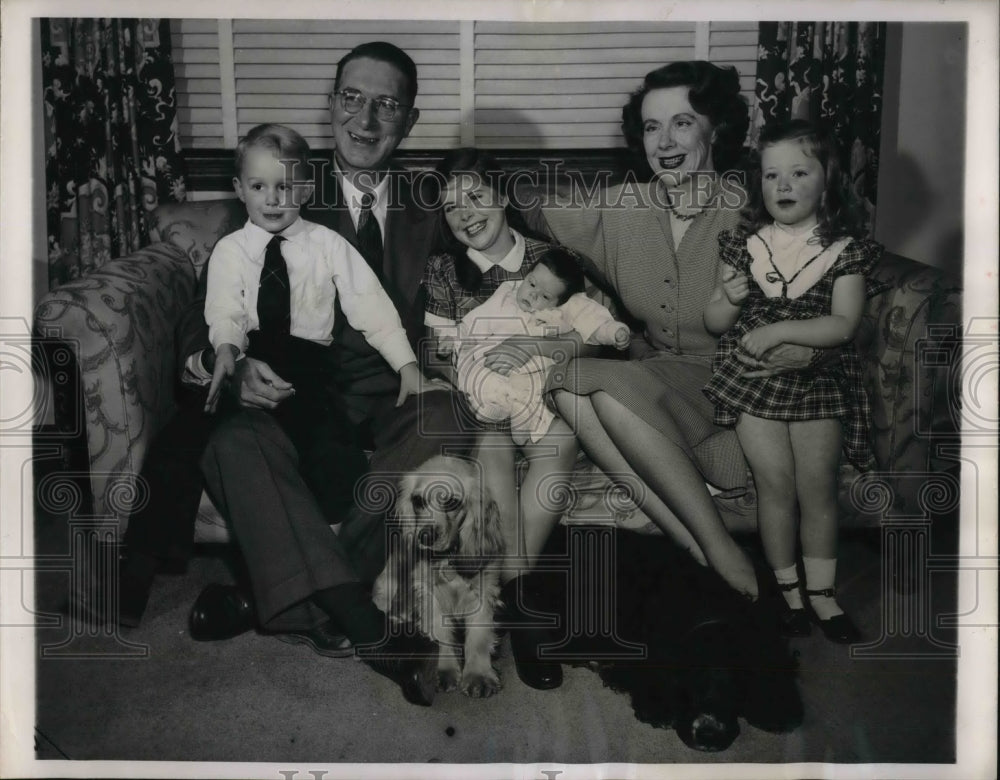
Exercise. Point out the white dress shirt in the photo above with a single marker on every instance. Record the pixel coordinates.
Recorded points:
(353, 196)
(322, 265)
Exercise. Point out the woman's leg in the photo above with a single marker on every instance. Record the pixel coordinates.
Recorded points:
(621, 442)
(603, 452)
(545, 490)
(495, 453)
(768, 450)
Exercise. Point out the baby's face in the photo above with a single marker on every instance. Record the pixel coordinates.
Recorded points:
(540, 289)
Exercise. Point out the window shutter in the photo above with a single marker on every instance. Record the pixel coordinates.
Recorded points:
(735, 43)
(285, 69)
(195, 45)
(563, 85)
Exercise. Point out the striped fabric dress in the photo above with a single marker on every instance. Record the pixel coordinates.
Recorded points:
(629, 240)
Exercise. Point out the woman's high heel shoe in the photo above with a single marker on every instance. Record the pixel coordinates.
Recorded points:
(839, 628)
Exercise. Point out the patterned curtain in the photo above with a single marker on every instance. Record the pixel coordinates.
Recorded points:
(112, 149)
(830, 73)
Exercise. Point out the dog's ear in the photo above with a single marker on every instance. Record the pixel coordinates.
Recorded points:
(481, 539)
(493, 544)
(392, 592)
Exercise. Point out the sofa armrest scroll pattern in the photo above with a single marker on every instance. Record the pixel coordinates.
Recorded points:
(905, 393)
(119, 321)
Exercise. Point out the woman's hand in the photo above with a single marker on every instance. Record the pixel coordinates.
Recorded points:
(514, 351)
(510, 354)
(735, 285)
(760, 340)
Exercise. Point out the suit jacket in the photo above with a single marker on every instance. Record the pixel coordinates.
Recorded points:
(408, 236)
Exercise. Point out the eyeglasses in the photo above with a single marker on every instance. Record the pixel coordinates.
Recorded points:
(353, 101)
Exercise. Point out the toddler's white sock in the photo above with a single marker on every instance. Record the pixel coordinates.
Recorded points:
(789, 576)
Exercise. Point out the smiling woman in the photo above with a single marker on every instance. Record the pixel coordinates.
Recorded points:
(647, 421)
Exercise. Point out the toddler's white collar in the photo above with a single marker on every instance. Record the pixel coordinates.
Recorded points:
(258, 238)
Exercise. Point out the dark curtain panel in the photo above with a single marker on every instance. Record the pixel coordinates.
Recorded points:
(831, 73)
(111, 143)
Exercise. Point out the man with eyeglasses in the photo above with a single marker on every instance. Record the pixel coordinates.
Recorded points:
(307, 580)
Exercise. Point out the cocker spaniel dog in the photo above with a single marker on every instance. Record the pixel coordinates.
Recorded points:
(443, 570)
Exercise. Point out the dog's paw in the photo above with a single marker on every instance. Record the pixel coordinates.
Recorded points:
(481, 686)
(448, 679)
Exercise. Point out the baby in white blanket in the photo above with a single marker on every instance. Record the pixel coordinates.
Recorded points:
(549, 301)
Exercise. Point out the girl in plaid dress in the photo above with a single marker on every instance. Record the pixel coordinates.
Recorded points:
(795, 273)
(483, 245)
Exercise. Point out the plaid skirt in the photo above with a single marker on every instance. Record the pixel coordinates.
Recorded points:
(833, 389)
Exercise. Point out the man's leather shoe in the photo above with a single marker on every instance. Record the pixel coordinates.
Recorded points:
(221, 612)
(324, 640)
(533, 672)
(411, 662)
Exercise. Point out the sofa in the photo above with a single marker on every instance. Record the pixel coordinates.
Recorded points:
(106, 351)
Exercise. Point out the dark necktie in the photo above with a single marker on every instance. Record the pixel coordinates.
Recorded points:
(274, 303)
(370, 235)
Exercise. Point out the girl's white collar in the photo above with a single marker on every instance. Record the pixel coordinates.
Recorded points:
(510, 262)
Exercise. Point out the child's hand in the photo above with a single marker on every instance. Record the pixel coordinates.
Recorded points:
(760, 340)
(225, 366)
(622, 337)
(735, 285)
(413, 382)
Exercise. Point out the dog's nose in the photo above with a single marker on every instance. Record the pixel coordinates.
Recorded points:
(418, 502)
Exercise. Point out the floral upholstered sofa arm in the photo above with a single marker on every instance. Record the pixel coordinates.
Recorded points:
(119, 323)
(909, 341)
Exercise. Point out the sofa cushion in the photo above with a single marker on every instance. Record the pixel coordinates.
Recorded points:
(196, 227)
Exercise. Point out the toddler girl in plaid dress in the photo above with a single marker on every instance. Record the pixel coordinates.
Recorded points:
(795, 273)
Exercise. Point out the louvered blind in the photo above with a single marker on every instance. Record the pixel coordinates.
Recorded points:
(735, 43)
(562, 85)
(528, 85)
(195, 45)
(285, 69)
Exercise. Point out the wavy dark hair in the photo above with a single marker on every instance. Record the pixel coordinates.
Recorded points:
(469, 160)
(840, 214)
(567, 268)
(714, 92)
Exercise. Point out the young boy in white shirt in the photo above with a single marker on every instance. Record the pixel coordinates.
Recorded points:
(270, 295)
